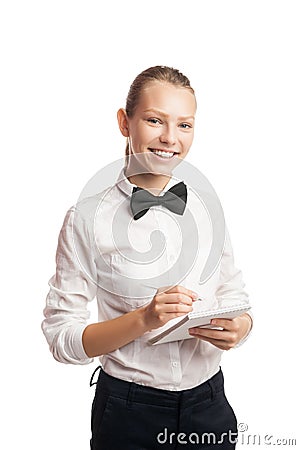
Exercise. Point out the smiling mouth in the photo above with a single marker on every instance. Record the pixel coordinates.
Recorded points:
(163, 154)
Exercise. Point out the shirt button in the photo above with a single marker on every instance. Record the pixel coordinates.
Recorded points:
(175, 364)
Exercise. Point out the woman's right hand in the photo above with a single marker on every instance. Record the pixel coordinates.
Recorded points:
(168, 304)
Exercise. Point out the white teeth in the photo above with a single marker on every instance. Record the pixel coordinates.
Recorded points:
(163, 154)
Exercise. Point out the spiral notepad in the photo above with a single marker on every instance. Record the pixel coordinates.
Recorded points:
(179, 330)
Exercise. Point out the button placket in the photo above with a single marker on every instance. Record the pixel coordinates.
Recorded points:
(163, 227)
(175, 362)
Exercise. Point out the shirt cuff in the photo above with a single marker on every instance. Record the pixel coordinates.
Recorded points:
(78, 345)
(69, 349)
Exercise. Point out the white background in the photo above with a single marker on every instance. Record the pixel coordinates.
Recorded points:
(66, 67)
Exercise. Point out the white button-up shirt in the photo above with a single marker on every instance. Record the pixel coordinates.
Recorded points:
(101, 254)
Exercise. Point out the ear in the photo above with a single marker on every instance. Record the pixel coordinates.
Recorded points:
(123, 122)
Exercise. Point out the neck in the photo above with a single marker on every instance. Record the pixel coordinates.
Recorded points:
(152, 182)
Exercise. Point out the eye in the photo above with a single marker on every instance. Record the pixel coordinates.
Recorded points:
(154, 120)
(185, 126)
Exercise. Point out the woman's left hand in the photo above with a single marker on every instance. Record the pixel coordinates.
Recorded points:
(234, 330)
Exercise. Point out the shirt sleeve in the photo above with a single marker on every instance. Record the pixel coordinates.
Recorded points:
(231, 286)
(71, 288)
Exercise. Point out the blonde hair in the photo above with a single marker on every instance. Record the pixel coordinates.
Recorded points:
(157, 73)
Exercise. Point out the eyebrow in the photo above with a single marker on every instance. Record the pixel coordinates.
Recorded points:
(157, 111)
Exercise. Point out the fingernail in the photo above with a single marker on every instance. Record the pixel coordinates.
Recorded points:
(194, 295)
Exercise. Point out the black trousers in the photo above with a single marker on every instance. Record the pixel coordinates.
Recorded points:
(130, 416)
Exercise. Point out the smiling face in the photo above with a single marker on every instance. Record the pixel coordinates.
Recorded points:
(161, 129)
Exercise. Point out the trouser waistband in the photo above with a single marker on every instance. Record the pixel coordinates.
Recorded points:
(153, 396)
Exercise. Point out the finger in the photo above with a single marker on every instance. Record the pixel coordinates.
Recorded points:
(218, 335)
(222, 345)
(226, 324)
(177, 298)
(183, 290)
(176, 308)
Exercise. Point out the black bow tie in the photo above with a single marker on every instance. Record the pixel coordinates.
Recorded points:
(174, 199)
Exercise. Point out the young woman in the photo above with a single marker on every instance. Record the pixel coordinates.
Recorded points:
(169, 395)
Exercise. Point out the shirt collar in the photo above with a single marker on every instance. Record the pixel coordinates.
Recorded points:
(126, 186)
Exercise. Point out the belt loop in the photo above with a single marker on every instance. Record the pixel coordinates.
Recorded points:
(93, 374)
(212, 389)
(130, 394)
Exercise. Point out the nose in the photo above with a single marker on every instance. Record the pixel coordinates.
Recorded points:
(168, 135)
